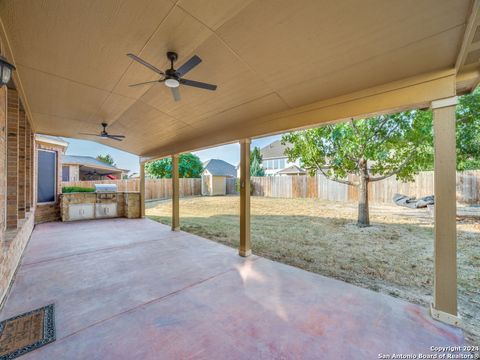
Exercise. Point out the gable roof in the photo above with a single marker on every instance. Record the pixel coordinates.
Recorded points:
(218, 167)
(294, 169)
(88, 161)
(274, 150)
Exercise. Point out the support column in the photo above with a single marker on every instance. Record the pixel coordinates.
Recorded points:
(12, 159)
(444, 307)
(175, 194)
(245, 246)
(21, 162)
(142, 189)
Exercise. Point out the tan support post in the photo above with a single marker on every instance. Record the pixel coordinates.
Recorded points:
(142, 189)
(444, 307)
(245, 246)
(175, 194)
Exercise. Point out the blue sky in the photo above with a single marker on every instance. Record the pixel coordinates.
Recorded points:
(125, 160)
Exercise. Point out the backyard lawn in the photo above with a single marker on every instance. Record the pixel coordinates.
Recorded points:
(393, 256)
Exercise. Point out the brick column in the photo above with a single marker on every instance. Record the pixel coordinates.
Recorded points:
(3, 162)
(28, 166)
(12, 159)
(21, 161)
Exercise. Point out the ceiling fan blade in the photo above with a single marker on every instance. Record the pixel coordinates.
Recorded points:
(189, 65)
(146, 82)
(198, 84)
(144, 63)
(175, 93)
(119, 136)
(114, 138)
(89, 134)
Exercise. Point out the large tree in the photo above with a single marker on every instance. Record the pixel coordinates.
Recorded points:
(256, 168)
(468, 131)
(189, 166)
(372, 149)
(107, 159)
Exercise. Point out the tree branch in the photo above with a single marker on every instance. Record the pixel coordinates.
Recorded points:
(346, 182)
(394, 172)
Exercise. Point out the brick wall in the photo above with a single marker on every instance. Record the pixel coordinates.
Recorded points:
(51, 211)
(3, 161)
(21, 161)
(12, 159)
(16, 219)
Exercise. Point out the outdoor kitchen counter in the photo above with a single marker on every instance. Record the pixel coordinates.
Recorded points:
(96, 205)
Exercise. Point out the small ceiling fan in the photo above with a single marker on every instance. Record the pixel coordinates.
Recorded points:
(104, 134)
(173, 78)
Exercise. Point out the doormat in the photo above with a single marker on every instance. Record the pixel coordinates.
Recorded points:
(27, 332)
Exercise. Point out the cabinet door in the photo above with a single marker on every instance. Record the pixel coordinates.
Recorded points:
(80, 211)
(106, 210)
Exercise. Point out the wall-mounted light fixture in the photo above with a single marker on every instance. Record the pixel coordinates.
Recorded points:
(6, 70)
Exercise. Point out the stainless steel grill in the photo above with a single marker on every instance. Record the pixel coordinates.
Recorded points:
(106, 188)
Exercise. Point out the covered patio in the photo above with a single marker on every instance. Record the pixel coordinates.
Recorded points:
(133, 289)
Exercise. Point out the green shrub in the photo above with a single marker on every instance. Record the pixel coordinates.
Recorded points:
(74, 189)
(237, 186)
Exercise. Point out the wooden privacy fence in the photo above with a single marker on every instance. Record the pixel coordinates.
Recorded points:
(298, 186)
(155, 189)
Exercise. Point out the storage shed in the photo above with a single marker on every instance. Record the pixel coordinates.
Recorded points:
(215, 175)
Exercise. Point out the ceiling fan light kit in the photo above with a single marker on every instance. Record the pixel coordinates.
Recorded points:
(173, 78)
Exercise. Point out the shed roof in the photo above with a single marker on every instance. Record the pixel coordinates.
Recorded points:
(88, 161)
(218, 167)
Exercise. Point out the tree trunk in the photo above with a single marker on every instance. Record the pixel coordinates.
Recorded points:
(363, 214)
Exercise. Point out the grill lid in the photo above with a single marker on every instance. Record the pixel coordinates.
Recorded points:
(105, 187)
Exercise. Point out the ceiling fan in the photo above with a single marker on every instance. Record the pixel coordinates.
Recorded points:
(104, 134)
(173, 78)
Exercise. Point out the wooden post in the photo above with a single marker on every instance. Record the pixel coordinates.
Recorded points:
(245, 247)
(142, 189)
(175, 194)
(444, 307)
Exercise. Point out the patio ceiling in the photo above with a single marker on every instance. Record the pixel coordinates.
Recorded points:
(272, 61)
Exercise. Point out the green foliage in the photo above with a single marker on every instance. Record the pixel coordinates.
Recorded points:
(189, 166)
(398, 144)
(75, 189)
(237, 186)
(468, 131)
(256, 168)
(107, 159)
(255, 154)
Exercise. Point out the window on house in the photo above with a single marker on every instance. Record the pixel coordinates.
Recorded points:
(47, 174)
(65, 173)
(281, 163)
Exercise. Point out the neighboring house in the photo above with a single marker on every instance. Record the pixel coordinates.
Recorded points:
(215, 175)
(275, 162)
(75, 168)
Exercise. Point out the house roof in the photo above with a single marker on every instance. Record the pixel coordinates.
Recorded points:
(294, 169)
(218, 167)
(274, 150)
(317, 64)
(51, 140)
(88, 161)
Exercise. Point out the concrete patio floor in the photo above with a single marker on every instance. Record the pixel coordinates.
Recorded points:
(132, 289)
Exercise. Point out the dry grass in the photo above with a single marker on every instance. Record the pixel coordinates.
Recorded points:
(394, 256)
